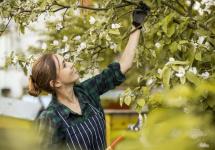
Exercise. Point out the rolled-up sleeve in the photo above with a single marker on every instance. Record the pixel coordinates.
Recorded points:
(108, 79)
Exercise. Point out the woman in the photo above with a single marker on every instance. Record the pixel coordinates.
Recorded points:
(75, 119)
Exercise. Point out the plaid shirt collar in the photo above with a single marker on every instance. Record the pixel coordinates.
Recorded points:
(64, 110)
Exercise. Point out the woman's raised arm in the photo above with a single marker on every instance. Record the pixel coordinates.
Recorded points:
(138, 16)
(127, 57)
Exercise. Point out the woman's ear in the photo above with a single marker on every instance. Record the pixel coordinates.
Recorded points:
(55, 83)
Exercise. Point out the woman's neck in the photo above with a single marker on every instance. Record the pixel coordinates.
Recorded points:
(66, 95)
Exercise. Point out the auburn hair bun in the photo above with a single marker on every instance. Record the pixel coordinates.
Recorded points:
(33, 88)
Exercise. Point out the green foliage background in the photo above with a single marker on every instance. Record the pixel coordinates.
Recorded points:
(173, 69)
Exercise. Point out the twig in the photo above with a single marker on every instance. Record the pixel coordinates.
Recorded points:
(178, 2)
(102, 9)
(173, 8)
(124, 14)
(79, 6)
(65, 14)
(191, 7)
(6, 26)
(129, 2)
(131, 32)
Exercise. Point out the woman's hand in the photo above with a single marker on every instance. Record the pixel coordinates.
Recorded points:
(139, 14)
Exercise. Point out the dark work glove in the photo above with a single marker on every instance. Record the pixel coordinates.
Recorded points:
(139, 14)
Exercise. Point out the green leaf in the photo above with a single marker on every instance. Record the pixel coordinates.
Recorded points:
(141, 102)
(183, 42)
(178, 63)
(145, 90)
(171, 30)
(149, 43)
(138, 108)
(183, 25)
(211, 102)
(121, 100)
(159, 2)
(192, 78)
(100, 59)
(22, 29)
(191, 54)
(175, 67)
(198, 56)
(173, 47)
(127, 100)
(166, 77)
(114, 31)
(165, 25)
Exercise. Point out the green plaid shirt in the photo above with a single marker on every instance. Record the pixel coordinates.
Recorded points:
(49, 124)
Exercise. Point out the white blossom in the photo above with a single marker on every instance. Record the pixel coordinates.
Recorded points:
(171, 59)
(186, 110)
(77, 38)
(67, 56)
(193, 70)
(194, 43)
(157, 45)
(159, 71)
(65, 38)
(205, 75)
(113, 45)
(92, 20)
(47, 13)
(196, 6)
(44, 46)
(96, 5)
(196, 133)
(149, 81)
(204, 145)
(55, 43)
(181, 72)
(29, 69)
(59, 26)
(201, 39)
(77, 12)
(188, 2)
(115, 26)
(207, 3)
(15, 59)
(82, 46)
(66, 48)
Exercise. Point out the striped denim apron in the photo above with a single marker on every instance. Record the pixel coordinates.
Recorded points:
(87, 135)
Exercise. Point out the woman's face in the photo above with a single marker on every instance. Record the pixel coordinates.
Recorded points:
(66, 72)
